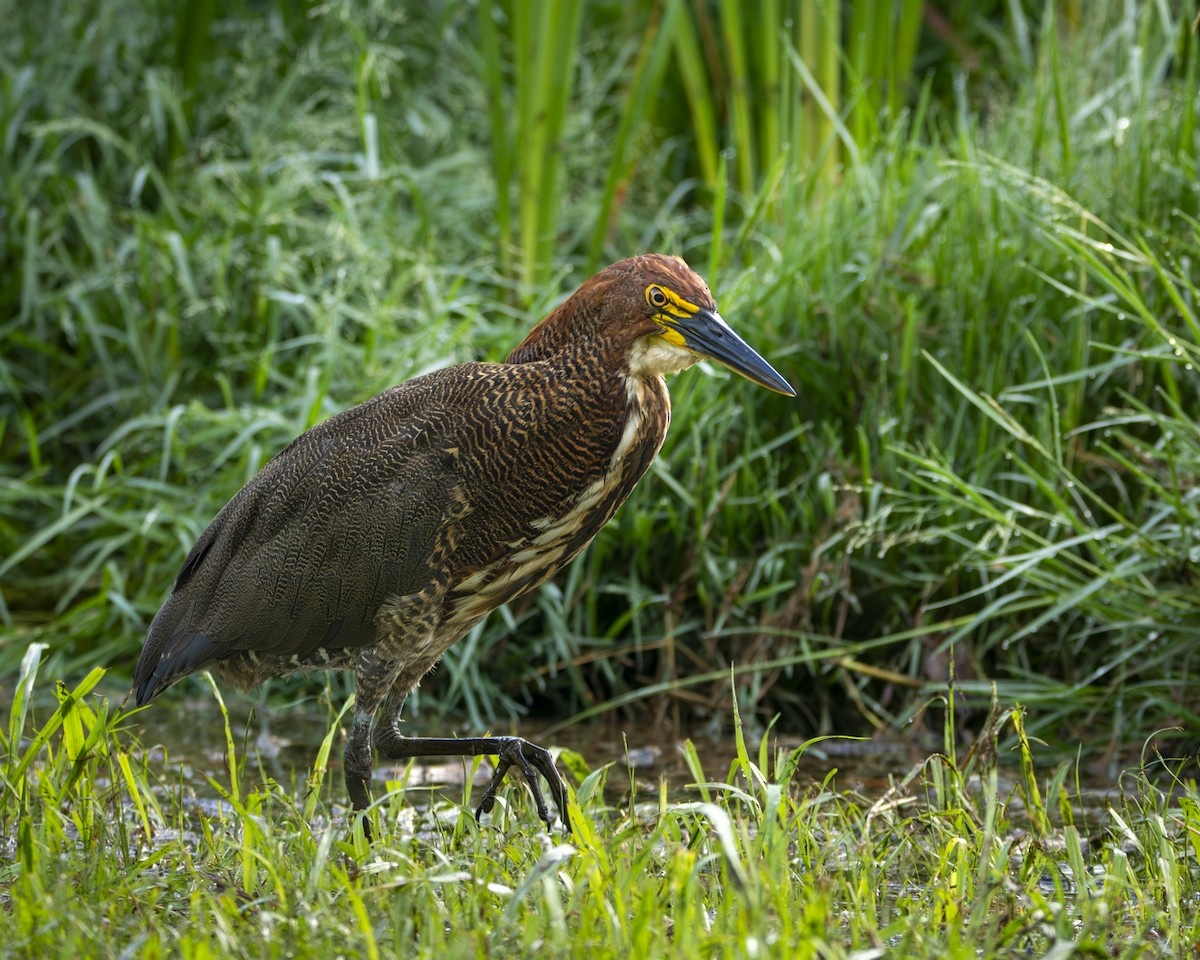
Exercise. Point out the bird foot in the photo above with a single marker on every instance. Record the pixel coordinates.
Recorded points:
(527, 757)
(531, 760)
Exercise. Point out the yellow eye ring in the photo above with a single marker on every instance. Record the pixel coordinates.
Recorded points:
(655, 297)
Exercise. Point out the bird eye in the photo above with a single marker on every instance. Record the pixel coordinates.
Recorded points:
(656, 297)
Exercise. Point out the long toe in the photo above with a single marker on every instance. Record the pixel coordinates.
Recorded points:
(488, 800)
(531, 760)
(542, 761)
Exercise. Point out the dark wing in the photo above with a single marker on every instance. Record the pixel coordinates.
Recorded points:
(302, 557)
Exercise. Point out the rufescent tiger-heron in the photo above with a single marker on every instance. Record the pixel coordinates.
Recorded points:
(378, 538)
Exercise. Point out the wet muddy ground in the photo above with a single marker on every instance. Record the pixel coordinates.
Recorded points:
(184, 737)
(282, 741)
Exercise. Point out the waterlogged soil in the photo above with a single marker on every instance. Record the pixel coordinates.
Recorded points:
(184, 739)
(282, 742)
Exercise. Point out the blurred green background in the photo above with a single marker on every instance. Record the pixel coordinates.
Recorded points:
(966, 233)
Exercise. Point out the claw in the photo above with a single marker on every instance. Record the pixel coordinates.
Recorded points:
(531, 760)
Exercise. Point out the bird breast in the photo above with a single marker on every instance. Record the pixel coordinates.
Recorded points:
(554, 540)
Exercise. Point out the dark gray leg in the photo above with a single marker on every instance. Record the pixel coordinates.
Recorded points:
(357, 760)
(528, 757)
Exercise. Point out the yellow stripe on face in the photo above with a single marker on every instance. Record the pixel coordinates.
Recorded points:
(678, 307)
(673, 337)
(671, 312)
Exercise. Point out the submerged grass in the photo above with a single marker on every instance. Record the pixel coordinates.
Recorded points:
(108, 852)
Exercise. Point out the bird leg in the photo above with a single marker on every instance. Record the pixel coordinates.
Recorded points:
(357, 761)
(527, 757)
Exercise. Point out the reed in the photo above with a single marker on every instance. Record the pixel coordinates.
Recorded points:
(992, 325)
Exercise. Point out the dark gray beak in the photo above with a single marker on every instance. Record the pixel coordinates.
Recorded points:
(706, 334)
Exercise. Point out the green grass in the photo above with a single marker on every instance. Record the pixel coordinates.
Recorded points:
(219, 227)
(981, 284)
(991, 323)
(109, 852)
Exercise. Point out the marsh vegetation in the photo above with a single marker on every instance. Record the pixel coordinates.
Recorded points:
(968, 237)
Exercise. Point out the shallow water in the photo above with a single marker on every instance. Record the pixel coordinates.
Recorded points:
(281, 742)
(184, 737)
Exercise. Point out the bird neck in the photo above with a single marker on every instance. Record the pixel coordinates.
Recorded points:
(571, 343)
(570, 328)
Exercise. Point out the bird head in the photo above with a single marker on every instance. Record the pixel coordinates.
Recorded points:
(659, 313)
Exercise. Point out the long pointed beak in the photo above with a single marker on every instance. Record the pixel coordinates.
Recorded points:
(706, 334)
